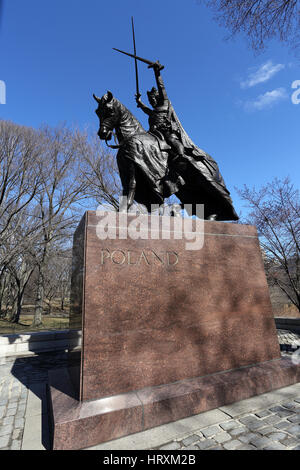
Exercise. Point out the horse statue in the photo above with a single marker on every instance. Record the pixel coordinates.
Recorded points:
(145, 165)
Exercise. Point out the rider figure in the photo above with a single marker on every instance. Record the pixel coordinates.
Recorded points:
(160, 119)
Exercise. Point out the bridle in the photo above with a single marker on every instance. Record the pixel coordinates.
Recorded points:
(116, 146)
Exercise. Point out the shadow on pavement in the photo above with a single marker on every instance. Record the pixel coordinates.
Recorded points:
(32, 372)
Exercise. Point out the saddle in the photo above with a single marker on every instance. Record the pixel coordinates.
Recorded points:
(164, 147)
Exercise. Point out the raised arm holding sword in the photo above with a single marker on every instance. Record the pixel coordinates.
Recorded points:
(187, 171)
(160, 120)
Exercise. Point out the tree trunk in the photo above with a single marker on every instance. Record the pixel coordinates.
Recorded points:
(14, 307)
(21, 281)
(3, 288)
(38, 312)
(62, 297)
(17, 312)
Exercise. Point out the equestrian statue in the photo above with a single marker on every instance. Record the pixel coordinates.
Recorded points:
(162, 161)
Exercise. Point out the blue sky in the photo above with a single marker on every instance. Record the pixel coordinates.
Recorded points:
(234, 104)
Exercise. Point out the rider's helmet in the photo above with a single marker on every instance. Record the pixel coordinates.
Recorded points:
(153, 96)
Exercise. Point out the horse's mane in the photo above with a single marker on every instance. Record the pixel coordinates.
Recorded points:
(126, 113)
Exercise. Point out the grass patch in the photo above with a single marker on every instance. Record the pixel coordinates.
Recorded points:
(25, 324)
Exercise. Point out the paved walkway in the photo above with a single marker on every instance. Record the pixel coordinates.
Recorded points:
(268, 421)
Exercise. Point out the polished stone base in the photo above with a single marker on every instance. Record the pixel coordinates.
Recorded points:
(154, 312)
(167, 331)
(78, 425)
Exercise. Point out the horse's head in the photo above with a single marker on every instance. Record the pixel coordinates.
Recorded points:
(108, 115)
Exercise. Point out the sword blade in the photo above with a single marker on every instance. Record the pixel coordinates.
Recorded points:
(135, 56)
(135, 61)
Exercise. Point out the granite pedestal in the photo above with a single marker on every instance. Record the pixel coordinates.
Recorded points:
(167, 331)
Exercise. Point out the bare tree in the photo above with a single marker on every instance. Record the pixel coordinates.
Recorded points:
(276, 213)
(19, 182)
(4, 288)
(46, 177)
(58, 277)
(260, 20)
(99, 171)
(20, 270)
(18, 260)
(61, 188)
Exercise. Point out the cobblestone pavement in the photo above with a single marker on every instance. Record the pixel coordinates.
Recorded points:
(274, 428)
(23, 384)
(17, 377)
(288, 341)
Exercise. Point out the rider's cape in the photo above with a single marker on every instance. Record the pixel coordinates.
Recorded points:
(205, 175)
(203, 181)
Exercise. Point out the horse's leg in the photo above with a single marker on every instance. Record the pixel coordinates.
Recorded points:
(176, 210)
(131, 185)
(129, 189)
(161, 209)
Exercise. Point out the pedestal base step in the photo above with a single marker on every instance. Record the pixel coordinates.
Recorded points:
(78, 425)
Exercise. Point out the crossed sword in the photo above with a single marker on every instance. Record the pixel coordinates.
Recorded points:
(136, 58)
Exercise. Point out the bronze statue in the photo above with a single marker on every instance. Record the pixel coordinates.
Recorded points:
(163, 161)
(162, 120)
(142, 157)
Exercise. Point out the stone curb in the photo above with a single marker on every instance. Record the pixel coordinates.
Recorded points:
(35, 342)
